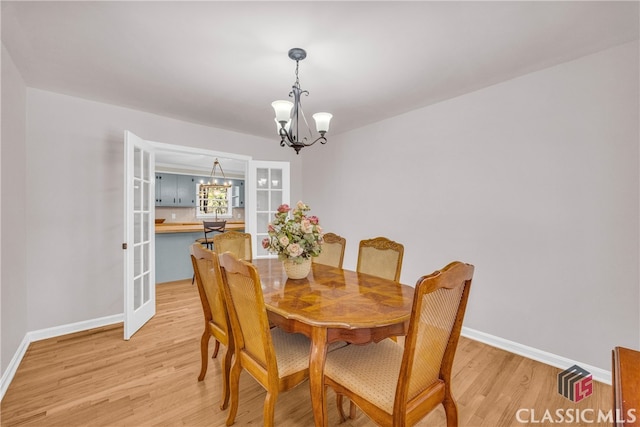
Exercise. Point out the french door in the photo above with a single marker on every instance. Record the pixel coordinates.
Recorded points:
(139, 247)
(268, 186)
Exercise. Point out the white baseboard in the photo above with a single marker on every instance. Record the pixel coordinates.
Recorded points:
(41, 334)
(56, 331)
(7, 375)
(598, 374)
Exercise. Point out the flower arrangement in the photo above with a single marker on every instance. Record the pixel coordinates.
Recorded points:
(295, 238)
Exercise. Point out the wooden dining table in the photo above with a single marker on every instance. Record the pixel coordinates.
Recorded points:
(332, 305)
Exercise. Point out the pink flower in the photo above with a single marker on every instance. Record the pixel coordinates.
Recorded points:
(265, 242)
(295, 249)
(306, 226)
(284, 241)
(314, 220)
(284, 208)
(301, 205)
(270, 228)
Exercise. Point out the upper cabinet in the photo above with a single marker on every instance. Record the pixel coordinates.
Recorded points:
(182, 191)
(237, 193)
(175, 190)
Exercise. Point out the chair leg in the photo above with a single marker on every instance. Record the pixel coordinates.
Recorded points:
(343, 418)
(234, 384)
(269, 407)
(352, 410)
(215, 350)
(226, 368)
(204, 350)
(451, 411)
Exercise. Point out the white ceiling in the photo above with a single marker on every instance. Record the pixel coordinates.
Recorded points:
(223, 63)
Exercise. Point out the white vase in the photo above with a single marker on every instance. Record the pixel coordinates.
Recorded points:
(297, 270)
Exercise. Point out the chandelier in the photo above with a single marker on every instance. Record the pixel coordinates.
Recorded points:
(213, 197)
(288, 114)
(213, 181)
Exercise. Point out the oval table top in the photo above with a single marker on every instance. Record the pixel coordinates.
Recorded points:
(334, 298)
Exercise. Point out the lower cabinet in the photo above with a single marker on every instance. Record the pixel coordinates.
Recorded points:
(173, 260)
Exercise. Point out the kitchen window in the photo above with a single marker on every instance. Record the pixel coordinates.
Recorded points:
(214, 201)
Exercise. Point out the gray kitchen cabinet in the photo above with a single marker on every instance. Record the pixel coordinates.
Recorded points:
(186, 191)
(237, 193)
(175, 190)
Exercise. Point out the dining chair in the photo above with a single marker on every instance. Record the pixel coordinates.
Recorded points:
(235, 242)
(332, 253)
(380, 257)
(211, 228)
(398, 386)
(206, 268)
(277, 360)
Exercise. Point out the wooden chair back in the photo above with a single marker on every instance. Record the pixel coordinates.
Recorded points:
(439, 305)
(332, 250)
(254, 340)
(235, 242)
(380, 257)
(247, 314)
(399, 385)
(208, 276)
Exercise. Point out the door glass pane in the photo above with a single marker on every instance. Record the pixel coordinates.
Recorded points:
(137, 162)
(145, 257)
(261, 251)
(262, 201)
(263, 222)
(137, 228)
(276, 178)
(137, 194)
(137, 293)
(145, 227)
(145, 166)
(145, 191)
(146, 290)
(262, 176)
(276, 200)
(137, 260)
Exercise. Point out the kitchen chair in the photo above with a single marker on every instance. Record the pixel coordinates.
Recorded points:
(380, 257)
(332, 250)
(276, 359)
(211, 227)
(398, 386)
(208, 275)
(235, 242)
(206, 241)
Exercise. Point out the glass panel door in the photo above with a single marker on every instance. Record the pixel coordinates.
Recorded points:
(139, 264)
(267, 188)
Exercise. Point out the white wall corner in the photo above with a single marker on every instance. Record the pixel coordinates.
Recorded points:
(547, 358)
(42, 334)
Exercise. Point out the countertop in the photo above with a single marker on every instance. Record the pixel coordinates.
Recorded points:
(191, 227)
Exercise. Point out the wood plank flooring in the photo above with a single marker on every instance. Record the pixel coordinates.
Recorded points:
(95, 378)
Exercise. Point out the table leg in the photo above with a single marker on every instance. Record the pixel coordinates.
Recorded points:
(316, 375)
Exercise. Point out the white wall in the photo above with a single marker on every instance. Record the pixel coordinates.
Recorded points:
(74, 204)
(534, 180)
(13, 293)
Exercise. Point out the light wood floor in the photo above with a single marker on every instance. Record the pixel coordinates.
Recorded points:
(95, 378)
